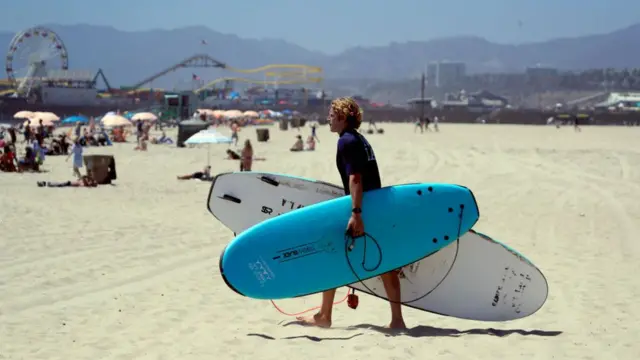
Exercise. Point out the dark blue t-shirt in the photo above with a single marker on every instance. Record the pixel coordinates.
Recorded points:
(356, 156)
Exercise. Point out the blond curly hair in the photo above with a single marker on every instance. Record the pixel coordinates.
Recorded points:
(349, 109)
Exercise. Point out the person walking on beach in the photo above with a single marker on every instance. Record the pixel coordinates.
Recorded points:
(419, 124)
(314, 129)
(358, 169)
(234, 133)
(76, 152)
(246, 161)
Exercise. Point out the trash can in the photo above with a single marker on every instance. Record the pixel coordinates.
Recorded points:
(262, 134)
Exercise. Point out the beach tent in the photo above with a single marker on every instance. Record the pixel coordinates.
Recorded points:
(188, 128)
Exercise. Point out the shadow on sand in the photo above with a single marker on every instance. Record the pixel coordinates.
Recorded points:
(418, 332)
(430, 331)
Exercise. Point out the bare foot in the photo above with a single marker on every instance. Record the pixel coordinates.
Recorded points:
(397, 325)
(315, 320)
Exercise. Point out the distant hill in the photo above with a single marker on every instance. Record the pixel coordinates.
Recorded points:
(127, 57)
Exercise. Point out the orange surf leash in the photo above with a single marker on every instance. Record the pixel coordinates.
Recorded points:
(351, 298)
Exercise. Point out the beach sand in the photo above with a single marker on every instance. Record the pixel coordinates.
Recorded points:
(131, 271)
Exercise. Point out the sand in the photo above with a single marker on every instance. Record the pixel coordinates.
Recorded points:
(131, 271)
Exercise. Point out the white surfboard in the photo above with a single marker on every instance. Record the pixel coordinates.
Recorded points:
(474, 278)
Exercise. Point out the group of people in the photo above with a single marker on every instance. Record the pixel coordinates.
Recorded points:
(35, 149)
(300, 146)
(423, 124)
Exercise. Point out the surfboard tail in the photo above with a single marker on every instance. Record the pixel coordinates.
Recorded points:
(224, 278)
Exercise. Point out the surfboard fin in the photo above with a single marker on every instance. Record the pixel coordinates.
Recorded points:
(230, 198)
(269, 181)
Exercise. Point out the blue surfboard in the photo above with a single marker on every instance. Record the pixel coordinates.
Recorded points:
(307, 251)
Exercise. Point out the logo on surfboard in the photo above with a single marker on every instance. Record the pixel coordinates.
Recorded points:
(304, 250)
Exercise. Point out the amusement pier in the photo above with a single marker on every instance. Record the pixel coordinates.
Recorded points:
(40, 78)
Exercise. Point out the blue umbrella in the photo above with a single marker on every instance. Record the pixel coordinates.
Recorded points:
(75, 119)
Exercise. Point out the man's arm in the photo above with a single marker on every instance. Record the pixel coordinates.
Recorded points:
(354, 158)
(355, 187)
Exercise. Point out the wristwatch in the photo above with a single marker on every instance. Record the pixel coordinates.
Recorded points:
(356, 210)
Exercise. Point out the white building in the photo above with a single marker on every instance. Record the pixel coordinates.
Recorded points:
(445, 73)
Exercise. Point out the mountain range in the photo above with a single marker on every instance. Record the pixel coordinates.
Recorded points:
(126, 57)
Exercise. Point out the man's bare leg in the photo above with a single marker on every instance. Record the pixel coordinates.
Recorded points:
(391, 283)
(323, 317)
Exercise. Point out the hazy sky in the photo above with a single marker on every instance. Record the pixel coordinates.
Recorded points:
(333, 25)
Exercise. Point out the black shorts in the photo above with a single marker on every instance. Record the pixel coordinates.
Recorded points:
(197, 175)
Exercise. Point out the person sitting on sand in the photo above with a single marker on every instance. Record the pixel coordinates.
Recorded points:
(163, 139)
(311, 143)
(84, 181)
(8, 160)
(203, 175)
(28, 163)
(232, 155)
(298, 145)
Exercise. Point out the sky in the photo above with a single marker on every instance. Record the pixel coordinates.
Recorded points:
(332, 26)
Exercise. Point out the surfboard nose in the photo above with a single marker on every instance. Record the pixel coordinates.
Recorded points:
(224, 277)
(475, 208)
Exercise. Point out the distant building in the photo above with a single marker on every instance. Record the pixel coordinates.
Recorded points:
(418, 103)
(445, 73)
(68, 87)
(621, 101)
(481, 101)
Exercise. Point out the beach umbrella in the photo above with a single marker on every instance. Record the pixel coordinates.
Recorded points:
(208, 137)
(115, 120)
(144, 116)
(231, 114)
(24, 114)
(250, 113)
(205, 111)
(75, 119)
(44, 116)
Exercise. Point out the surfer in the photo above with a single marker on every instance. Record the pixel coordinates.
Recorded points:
(358, 169)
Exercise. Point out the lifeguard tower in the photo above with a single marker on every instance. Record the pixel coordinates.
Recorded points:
(180, 105)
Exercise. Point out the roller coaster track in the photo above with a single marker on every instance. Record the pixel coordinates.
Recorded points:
(302, 69)
(205, 61)
(261, 82)
(195, 61)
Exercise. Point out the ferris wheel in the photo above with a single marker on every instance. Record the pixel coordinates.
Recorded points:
(31, 53)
